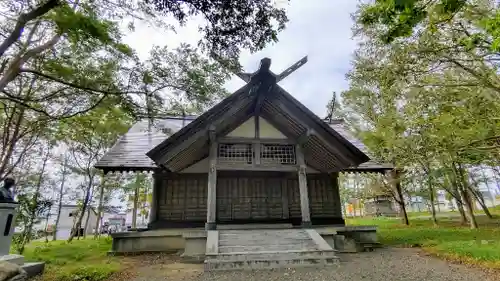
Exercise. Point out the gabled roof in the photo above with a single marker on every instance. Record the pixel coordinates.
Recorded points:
(129, 152)
(370, 166)
(324, 148)
(186, 141)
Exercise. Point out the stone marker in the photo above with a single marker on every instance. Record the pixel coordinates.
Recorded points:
(12, 267)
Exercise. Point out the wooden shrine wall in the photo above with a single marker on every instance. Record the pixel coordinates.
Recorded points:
(183, 197)
(247, 197)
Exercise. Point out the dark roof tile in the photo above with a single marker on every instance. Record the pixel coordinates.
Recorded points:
(340, 127)
(129, 152)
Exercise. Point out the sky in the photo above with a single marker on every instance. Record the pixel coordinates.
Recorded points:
(320, 29)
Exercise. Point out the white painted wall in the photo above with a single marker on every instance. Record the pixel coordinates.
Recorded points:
(247, 130)
(66, 221)
(267, 130)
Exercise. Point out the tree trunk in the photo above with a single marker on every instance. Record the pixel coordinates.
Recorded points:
(343, 208)
(469, 211)
(86, 222)
(136, 203)
(479, 198)
(454, 191)
(15, 122)
(21, 22)
(431, 197)
(396, 186)
(86, 201)
(47, 226)
(99, 208)
(29, 228)
(61, 193)
(460, 207)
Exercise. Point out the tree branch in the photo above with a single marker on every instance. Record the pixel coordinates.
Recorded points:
(23, 20)
(76, 86)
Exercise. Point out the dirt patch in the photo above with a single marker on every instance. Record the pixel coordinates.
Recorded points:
(382, 264)
(157, 267)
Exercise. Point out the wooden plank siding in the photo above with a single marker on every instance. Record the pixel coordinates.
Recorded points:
(183, 197)
(244, 197)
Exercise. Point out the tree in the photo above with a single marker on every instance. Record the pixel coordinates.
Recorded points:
(441, 35)
(108, 184)
(371, 108)
(65, 58)
(401, 18)
(249, 24)
(429, 98)
(64, 173)
(33, 205)
(77, 48)
(138, 195)
(20, 129)
(88, 137)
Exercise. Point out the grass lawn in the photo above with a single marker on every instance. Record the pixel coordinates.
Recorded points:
(493, 210)
(449, 239)
(81, 260)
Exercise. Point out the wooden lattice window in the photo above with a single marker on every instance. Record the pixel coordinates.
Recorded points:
(277, 154)
(240, 153)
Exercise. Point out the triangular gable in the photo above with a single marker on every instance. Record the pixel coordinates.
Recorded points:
(247, 130)
(325, 150)
(268, 131)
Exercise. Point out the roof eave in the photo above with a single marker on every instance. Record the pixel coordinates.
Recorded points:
(158, 151)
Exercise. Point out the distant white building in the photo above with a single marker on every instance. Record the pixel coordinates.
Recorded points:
(69, 214)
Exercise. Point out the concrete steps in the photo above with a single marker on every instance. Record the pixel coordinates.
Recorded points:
(266, 248)
(273, 255)
(260, 248)
(213, 265)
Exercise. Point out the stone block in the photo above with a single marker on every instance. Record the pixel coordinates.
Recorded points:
(212, 242)
(7, 225)
(11, 271)
(34, 268)
(195, 247)
(330, 239)
(13, 258)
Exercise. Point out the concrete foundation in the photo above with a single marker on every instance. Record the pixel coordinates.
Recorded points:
(350, 239)
(193, 244)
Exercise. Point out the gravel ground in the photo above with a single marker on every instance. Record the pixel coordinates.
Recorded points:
(381, 265)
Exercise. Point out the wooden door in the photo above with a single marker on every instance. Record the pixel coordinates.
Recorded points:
(246, 197)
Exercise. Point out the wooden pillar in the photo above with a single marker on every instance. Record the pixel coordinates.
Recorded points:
(339, 220)
(153, 212)
(212, 183)
(304, 195)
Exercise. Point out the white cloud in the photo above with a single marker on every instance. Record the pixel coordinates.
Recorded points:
(320, 29)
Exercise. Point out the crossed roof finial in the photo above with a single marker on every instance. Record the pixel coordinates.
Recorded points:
(265, 65)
